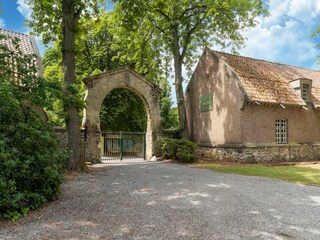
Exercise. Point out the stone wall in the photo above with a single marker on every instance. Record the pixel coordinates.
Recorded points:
(61, 134)
(98, 87)
(261, 153)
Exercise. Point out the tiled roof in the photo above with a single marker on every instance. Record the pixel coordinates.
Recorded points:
(25, 41)
(268, 82)
(27, 45)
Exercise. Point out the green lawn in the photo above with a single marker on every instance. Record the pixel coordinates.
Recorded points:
(302, 174)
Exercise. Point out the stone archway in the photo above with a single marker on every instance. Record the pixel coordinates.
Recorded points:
(97, 88)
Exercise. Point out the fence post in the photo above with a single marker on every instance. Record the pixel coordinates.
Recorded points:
(121, 146)
(144, 146)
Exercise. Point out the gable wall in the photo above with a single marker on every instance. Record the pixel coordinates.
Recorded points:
(259, 124)
(222, 125)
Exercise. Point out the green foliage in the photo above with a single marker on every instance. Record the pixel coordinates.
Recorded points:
(98, 49)
(178, 28)
(179, 149)
(169, 115)
(101, 46)
(123, 110)
(46, 16)
(31, 166)
(302, 174)
(192, 23)
(316, 35)
(53, 73)
(174, 133)
(55, 21)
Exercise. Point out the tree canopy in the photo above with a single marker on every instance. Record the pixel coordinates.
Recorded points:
(100, 48)
(179, 28)
(59, 20)
(123, 110)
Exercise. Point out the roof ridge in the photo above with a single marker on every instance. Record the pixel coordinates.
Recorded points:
(263, 60)
(10, 31)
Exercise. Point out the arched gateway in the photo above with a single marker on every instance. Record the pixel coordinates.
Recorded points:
(97, 88)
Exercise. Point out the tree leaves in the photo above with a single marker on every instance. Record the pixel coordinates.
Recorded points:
(123, 110)
(181, 27)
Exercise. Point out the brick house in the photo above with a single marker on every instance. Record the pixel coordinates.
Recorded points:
(27, 45)
(249, 110)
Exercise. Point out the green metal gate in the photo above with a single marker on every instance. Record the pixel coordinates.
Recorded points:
(123, 145)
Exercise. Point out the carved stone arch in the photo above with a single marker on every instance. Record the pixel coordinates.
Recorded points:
(98, 87)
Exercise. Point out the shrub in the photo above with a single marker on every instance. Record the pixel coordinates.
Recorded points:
(172, 133)
(179, 149)
(31, 166)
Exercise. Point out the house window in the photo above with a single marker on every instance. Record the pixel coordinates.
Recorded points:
(281, 131)
(305, 92)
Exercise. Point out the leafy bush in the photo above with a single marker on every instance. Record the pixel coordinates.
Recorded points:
(172, 133)
(179, 149)
(31, 167)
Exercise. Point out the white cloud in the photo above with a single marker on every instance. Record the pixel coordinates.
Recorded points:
(277, 9)
(2, 23)
(284, 36)
(24, 9)
(304, 10)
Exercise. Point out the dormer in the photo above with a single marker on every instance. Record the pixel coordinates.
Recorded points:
(302, 87)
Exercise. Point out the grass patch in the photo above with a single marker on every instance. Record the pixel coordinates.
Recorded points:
(302, 174)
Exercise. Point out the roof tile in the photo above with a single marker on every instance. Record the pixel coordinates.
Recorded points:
(27, 46)
(268, 82)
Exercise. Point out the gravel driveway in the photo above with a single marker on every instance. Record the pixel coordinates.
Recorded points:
(170, 201)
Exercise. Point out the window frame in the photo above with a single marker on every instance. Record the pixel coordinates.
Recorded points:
(281, 131)
(305, 92)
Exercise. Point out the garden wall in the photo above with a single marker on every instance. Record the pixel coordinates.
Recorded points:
(261, 153)
(61, 134)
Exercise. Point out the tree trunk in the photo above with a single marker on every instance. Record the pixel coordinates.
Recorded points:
(178, 84)
(69, 66)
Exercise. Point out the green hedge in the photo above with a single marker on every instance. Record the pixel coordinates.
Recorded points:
(31, 166)
(179, 149)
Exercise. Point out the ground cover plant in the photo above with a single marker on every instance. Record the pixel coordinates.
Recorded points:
(307, 174)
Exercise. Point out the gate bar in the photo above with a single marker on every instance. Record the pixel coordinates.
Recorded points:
(121, 146)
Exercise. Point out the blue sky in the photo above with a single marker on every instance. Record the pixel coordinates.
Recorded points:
(282, 37)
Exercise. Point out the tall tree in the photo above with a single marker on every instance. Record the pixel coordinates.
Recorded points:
(59, 20)
(102, 47)
(181, 27)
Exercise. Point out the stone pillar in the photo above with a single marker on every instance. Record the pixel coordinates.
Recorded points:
(93, 145)
(156, 143)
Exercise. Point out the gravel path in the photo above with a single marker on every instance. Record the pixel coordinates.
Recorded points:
(170, 201)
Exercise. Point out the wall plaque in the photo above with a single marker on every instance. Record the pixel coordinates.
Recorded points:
(206, 103)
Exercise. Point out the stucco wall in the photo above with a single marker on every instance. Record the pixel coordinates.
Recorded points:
(222, 124)
(258, 124)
